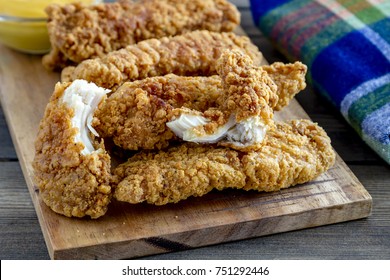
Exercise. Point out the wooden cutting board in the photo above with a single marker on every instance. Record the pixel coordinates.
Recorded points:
(129, 231)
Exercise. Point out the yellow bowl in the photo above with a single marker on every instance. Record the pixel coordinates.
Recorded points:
(23, 24)
(24, 34)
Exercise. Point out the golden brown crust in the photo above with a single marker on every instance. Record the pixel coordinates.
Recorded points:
(293, 153)
(174, 175)
(289, 78)
(70, 183)
(78, 32)
(192, 54)
(248, 88)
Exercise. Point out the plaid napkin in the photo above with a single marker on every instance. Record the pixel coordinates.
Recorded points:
(346, 46)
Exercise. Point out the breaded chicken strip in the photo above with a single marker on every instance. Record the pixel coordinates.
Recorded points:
(135, 116)
(293, 153)
(192, 54)
(78, 32)
(72, 169)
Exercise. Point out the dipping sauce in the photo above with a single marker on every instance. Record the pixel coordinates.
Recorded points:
(23, 24)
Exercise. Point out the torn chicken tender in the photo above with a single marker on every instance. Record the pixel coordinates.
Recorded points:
(71, 168)
(135, 116)
(191, 54)
(293, 153)
(78, 32)
(246, 113)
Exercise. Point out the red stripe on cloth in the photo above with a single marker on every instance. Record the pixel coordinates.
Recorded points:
(287, 19)
(298, 42)
(297, 28)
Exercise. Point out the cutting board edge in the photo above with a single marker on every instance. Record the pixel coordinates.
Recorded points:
(180, 241)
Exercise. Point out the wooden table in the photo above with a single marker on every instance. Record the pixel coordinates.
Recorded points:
(21, 236)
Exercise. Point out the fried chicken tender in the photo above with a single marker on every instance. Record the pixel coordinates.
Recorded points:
(293, 153)
(78, 31)
(191, 54)
(135, 116)
(72, 169)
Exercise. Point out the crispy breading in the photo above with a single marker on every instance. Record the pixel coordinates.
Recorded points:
(78, 31)
(293, 153)
(71, 181)
(289, 78)
(249, 90)
(191, 54)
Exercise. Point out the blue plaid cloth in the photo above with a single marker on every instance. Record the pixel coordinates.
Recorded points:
(346, 46)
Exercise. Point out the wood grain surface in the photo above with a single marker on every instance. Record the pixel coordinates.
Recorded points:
(128, 231)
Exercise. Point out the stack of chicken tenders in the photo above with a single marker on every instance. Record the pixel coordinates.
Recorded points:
(188, 101)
